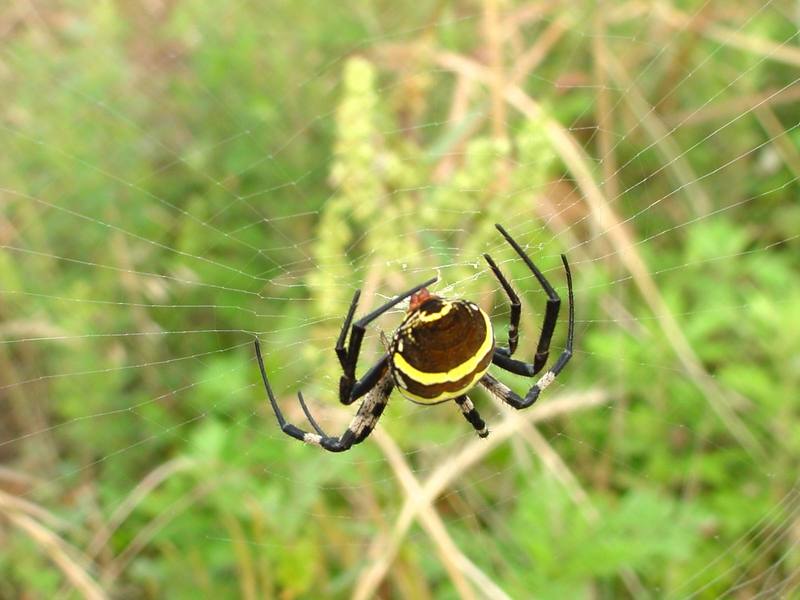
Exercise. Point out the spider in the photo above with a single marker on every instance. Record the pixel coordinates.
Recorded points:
(441, 351)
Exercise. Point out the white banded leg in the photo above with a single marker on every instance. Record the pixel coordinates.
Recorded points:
(505, 394)
(471, 414)
(360, 426)
(530, 370)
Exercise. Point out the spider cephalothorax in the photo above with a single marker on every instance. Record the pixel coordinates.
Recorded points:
(441, 351)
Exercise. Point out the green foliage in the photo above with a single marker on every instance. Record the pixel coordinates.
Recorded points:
(640, 532)
(181, 176)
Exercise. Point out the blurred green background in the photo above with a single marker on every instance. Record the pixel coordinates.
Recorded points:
(178, 176)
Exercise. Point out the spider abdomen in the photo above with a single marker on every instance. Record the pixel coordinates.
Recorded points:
(441, 350)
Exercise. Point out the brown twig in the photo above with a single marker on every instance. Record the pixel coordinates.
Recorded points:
(384, 549)
(53, 546)
(782, 52)
(686, 179)
(777, 133)
(149, 531)
(449, 553)
(151, 481)
(577, 162)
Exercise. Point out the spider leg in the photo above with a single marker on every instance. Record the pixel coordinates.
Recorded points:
(287, 428)
(517, 367)
(346, 382)
(551, 308)
(472, 415)
(360, 427)
(348, 356)
(502, 392)
(311, 419)
(370, 378)
(516, 308)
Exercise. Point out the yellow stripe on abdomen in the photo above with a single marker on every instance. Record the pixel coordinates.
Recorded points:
(456, 373)
(448, 395)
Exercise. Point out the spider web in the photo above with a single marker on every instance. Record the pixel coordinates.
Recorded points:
(182, 180)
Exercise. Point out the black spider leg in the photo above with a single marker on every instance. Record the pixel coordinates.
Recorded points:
(360, 427)
(507, 395)
(550, 314)
(376, 383)
(516, 309)
(472, 415)
(351, 390)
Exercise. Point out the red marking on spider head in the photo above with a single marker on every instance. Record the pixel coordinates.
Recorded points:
(417, 298)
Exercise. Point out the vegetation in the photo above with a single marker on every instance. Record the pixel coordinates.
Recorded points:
(179, 177)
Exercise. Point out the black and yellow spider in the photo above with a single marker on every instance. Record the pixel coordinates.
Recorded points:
(442, 349)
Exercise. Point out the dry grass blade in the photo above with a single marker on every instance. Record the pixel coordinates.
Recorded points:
(604, 109)
(15, 503)
(384, 550)
(783, 52)
(524, 16)
(17, 478)
(730, 109)
(685, 177)
(456, 563)
(495, 50)
(139, 493)
(54, 547)
(523, 64)
(149, 531)
(551, 459)
(777, 133)
(245, 563)
(578, 163)
(533, 57)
